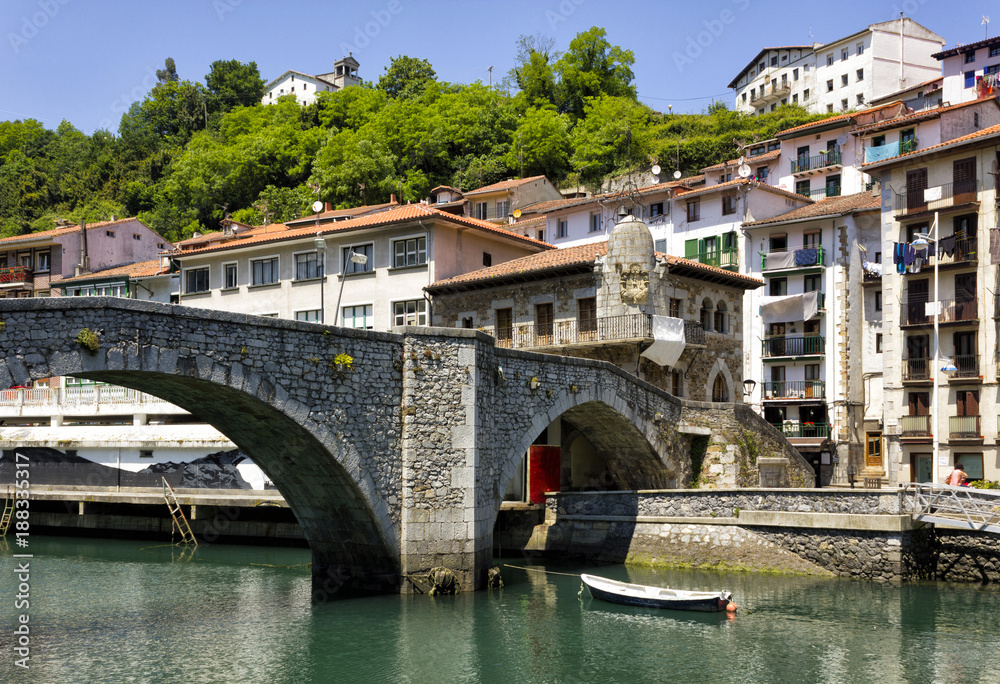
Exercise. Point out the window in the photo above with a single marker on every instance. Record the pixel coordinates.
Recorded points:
(541, 235)
(196, 280)
(264, 271)
(973, 465)
(409, 252)
(744, 97)
(595, 222)
(359, 316)
(413, 312)
(970, 57)
(467, 322)
(812, 371)
(802, 188)
(42, 261)
(230, 274)
(829, 86)
(145, 453)
(761, 66)
(795, 98)
(728, 204)
(843, 54)
(706, 314)
(774, 61)
(136, 236)
(843, 104)
(777, 287)
(995, 51)
(811, 283)
(753, 93)
(675, 307)
(586, 315)
(487, 259)
(878, 343)
(878, 301)
(860, 74)
(833, 186)
(311, 316)
(860, 99)
(719, 390)
(563, 228)
(805, 95)
(676, 383)
(693, 210)
(308, 265)
(829, 109)
(543, 322)
(721, 319)
(795, 74)
(656, 209)
(503, 209)
(109, 233)
(762, 173)
(970, 79)
(861, 48)
(505, 327)
(829, 59)
(777, 243)
(843, 80)
(351, 266)
(479, 210)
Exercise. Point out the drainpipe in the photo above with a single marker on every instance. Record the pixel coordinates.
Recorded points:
(84, 266)
(902, 80)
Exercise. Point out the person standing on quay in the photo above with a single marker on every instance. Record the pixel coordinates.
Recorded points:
(957, 477)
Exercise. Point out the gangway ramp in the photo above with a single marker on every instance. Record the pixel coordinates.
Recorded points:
(949, 506)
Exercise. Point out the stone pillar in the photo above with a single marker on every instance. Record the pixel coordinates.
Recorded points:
(440, 522)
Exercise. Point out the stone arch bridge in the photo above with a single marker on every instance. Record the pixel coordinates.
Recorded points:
(394, 463)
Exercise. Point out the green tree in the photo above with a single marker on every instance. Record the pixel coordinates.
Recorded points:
(534, 73)
(282, 204)
(614, 135)
(593, 67)
(406, 77)
(168, 73)
(230, 84)
(542, 144)
(353, 170)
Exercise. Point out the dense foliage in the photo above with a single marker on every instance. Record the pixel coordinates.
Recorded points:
(190, 153)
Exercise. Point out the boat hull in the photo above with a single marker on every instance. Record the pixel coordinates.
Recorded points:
(651, 597)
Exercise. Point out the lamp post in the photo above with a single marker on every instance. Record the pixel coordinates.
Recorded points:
(320, 244)
(748, 387)
(352, 258)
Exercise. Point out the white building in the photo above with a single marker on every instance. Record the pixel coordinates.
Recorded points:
(841, 75)
(971, 71)
(305, 86)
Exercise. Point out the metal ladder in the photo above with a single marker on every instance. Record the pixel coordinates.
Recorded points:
(179, 522)
(8, 513)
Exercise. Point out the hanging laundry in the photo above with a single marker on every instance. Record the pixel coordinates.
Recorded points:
(947, 245)
(805, 257)
(897, 253)
(909, 253)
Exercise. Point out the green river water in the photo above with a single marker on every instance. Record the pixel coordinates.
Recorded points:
(126, 611)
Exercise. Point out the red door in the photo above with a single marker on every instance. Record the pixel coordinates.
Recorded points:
(543, 471)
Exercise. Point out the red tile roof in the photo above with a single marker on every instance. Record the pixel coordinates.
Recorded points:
(913, 117)
(341, 213)
(969, 47)
(64, 230)
(767, 156)
(990, 132)
(143, 269)
(503, 185)
(829, 206)
(403, 214)
(847, 119)
(734, 184)
(577, 257)
(759, 54)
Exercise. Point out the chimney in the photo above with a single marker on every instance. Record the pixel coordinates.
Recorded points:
(392, 198)
(327, 207)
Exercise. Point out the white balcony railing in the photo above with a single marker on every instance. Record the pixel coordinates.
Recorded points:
(87, 399)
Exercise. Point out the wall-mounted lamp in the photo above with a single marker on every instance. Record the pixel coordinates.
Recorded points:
(748, 387)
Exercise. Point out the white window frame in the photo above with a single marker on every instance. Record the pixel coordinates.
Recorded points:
(503, 208)
(225, 275)
(367, 317)
(562, 228)
(208, 279)
(305, 316)
(596, 222)
(348, 267)
(318, 273)
(419, 313)
(418, 252)
(276, 271)
(480, 210)
(47, 266)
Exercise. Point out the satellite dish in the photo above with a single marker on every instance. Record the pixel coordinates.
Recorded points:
(655, 169)
(656, 179)
(841, 140)
(677, 173)
(317, 206)
(744, 170)
(517, 213)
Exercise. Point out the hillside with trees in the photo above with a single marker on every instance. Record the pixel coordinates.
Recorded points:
(190, 152)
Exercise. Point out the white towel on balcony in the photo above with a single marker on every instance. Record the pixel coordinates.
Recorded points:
(779, 260)
(668, 341)
(789, 308)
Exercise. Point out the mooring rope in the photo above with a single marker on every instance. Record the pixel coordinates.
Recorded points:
(548, 572)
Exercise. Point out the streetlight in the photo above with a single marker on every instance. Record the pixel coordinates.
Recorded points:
(320, 244)
(352, 258)
(748, 387)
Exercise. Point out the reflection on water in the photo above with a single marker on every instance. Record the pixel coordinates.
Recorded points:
(118, 611)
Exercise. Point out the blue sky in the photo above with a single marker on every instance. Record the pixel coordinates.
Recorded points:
(86, 60)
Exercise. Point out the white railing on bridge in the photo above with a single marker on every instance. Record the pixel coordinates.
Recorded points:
(964, 507)
(86, 398)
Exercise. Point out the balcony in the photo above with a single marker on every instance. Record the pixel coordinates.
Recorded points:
(727, 258)
(965, 427)
(915, 426)
(794, 389)
(883, 152)
(770, 93)
(917, 370)
(968, 368)
(803, 345)
(829, 159)
(936, 198)
(81, 400)
(591, 332)
(794, 430)
(16, 276)
(952, 311)
(792, 260)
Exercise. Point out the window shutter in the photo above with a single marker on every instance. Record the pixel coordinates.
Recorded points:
(691, 249)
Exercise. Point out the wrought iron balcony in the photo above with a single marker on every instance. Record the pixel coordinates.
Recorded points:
(16, 275)
(916, 369)
(967, 365)
(915, 426)
(770, 92)
(790, 429)
(918, 200)
(795, 389)
(576, 332)
(952, 311)
(792, 259)
(802, 345)
(964, 427)
(723, 258)
(818, 162)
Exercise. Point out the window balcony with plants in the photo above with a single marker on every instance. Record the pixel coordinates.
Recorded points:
(793, 345)
(826, 159)
(794, 389)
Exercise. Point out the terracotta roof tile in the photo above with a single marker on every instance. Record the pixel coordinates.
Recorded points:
(956, 142)
(503, 185)
(142, 269)
(64, 230)
(829, 206)
(734, 184)
(402, 214)
(342, 213)
(845, 118)
(969, 47)
(932, 113)
(767, 156)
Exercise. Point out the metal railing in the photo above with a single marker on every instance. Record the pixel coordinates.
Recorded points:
(964, 507)
(832, 190)
(916, 369)
(608, 329)
(89, 395)
(795, 389)
(790, 429)
(964, 427)
(809, 257)
(802, 345)
(770, 92)
(915, 313)
(16, 274)
(917, 200)
(723, 258)
(967, 365)
(819, 161)
(915, 426)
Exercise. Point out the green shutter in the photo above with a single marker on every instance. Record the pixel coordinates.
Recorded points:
(691, 249)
